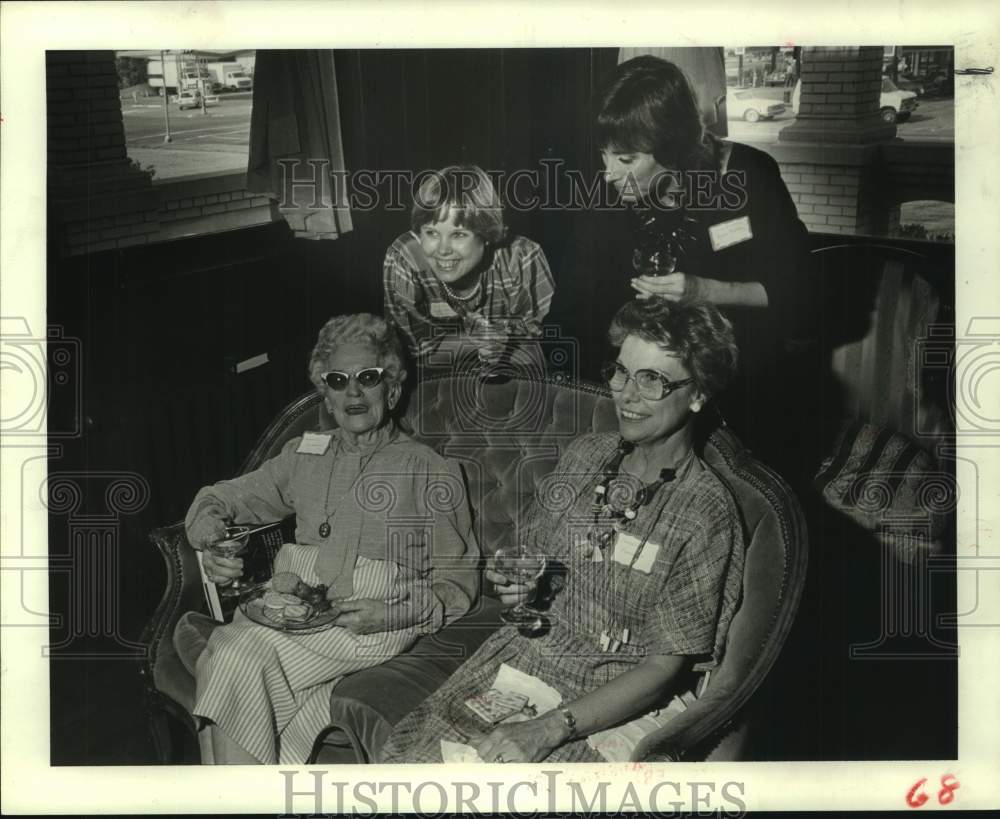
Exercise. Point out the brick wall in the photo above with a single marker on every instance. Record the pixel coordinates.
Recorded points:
(843, 166)
(839, 98)
(208, 204)
(97, 199)
(847, 189)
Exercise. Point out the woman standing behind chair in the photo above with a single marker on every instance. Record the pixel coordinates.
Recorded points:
(380, 519)
(456, 282)
(652, 546)
(705, 218)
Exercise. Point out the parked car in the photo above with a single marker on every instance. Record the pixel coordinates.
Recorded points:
(939, 83)
(750, 106)
(908, 83)
(895, 105)
(193, 99)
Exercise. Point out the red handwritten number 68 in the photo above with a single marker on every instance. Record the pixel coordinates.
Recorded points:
(915, 797)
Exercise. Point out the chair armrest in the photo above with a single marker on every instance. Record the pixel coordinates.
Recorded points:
(162, 669)
(707, 718)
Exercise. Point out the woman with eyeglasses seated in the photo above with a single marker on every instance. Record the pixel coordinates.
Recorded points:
(649, 549)
(370, 503)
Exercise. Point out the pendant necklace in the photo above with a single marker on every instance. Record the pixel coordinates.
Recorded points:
(324, 528)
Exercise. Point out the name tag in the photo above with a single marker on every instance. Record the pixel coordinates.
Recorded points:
(441, 309)
(314, 443)
(627, 545)
(727, 234)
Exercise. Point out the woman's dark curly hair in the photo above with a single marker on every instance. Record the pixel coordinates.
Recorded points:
(692, 329)
(647, 104)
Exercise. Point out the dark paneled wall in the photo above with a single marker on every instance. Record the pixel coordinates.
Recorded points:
(161, 327)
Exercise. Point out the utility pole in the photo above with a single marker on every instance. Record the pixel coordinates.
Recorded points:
(199, 66)
(166, 98)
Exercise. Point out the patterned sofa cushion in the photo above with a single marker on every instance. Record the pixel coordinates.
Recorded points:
(506, 436)
(888, 485)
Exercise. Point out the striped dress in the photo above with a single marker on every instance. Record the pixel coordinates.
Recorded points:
(399, 529)
(268, 690)
(676, 597)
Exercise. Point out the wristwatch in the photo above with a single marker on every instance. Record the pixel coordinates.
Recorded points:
(569, 721)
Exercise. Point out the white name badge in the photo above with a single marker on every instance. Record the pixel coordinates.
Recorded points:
(727, 234)
(627, 545)
(314, 443)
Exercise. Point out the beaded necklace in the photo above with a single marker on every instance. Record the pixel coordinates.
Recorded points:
(603, 537)
(603, 505)
(453, 296)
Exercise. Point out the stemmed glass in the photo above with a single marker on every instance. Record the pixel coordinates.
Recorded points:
(492, 338)
(518, 565)
(232, 544)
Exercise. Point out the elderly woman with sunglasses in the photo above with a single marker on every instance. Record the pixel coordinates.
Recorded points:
(370, 503)
(649, 548)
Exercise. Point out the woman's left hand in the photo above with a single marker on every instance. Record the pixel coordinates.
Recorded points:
(671, 287)
(529, 741)
(363, 616)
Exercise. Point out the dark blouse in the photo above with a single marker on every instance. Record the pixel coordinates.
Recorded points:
(769, 245)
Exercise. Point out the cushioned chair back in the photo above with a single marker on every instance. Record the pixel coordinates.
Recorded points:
(774, 577)
(507, 436)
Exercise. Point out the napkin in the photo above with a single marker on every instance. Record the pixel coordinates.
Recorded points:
(511, 681)
(458, 752)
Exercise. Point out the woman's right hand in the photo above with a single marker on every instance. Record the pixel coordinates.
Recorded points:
(206, 528)
(221, 569)
(509, 592)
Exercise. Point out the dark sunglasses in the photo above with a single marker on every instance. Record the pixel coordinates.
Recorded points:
(368, 378)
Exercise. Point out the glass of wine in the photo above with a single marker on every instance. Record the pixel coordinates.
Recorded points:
(492, 343)
(232, 544)
(519, 566)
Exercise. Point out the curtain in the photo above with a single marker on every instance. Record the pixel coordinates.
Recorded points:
(706, 69)
(295, 137)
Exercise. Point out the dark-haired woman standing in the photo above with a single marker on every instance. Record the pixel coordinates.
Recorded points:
(704, 218)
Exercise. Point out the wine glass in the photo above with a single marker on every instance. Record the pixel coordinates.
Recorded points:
(232, 544)
(518, 565)
(654, 261)
(492, 337)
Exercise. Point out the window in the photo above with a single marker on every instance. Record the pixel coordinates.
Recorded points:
(187, 113)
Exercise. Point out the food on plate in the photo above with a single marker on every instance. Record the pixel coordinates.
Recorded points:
(297, 613)
(287, 599)
(285, 582)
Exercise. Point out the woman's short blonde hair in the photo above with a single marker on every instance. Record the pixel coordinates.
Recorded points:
(468, 191)
(359, 328)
